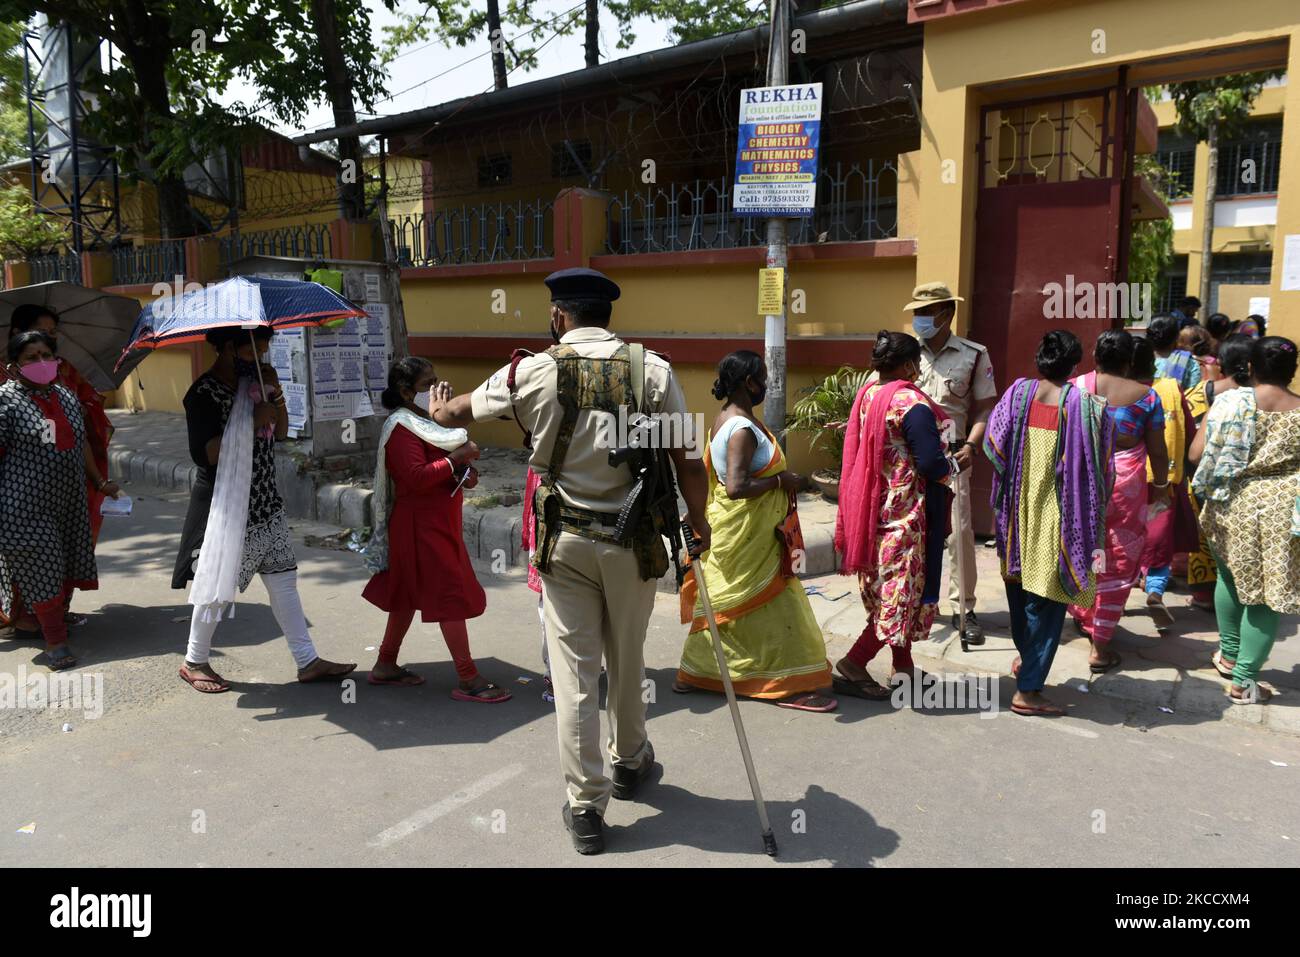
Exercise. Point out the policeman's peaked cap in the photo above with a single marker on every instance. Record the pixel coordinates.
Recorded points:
(581, 284)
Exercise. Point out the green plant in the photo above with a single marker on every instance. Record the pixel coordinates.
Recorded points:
(822, 411)
(23, 232)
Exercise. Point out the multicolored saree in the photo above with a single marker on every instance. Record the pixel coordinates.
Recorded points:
(771, 641)
(1083, 476)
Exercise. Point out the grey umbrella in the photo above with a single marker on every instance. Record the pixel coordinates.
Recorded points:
(93, 327)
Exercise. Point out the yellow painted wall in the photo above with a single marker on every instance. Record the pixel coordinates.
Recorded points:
(1235, 300)
(858, 297)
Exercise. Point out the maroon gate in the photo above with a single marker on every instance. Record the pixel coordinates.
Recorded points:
(1055, 184)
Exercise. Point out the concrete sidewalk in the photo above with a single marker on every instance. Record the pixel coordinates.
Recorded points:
(1160, 671)
(1167, 672)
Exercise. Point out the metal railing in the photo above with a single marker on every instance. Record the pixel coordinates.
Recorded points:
(1181, 164)
(1249, 167)
(499, 232)
(55, 267)
(156, 262)
(680, 217)
(298, 241)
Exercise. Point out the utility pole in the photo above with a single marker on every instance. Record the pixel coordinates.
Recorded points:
(778, 72)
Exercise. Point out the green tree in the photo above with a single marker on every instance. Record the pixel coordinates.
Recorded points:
(1210, 111)
(13, 104)
(1151, 242)
(22, 232)
(177, 56)
(692, 19)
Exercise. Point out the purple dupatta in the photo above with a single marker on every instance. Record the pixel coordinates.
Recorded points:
(1085, 441)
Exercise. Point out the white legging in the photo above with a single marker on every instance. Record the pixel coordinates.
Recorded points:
(282, 587)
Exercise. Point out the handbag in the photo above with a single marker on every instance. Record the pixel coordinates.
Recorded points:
(790, 535)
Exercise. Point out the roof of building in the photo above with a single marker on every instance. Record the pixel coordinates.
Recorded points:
(831, 27)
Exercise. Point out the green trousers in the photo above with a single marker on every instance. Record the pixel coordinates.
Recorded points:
(1246, 632)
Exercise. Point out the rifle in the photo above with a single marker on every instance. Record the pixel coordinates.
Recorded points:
(654, 491)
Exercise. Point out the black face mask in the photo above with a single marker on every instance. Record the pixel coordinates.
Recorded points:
(245, 369)
(555, 333)
(757, 399)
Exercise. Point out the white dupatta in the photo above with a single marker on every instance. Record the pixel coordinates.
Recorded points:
(216, 579)
(428, 431)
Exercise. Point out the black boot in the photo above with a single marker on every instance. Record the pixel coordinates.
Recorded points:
(974, 633)
(587, 829)
(627, 780)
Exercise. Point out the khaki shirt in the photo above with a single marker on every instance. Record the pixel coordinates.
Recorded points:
(960, 374)
(586, 480)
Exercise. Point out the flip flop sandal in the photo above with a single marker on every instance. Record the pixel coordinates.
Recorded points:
(326, 676)
(798, 703)
(1262, 695)
(192, 677)
(867, 688)
(477, 695)
(1110, 664)
(405, 679)
(682, 688)
(1220, 665)
(60, 659)
(1041, 711)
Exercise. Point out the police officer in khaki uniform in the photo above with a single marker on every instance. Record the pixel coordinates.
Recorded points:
(957, 374)
(597, 594)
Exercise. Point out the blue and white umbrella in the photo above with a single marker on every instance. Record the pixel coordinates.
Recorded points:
(244, 302)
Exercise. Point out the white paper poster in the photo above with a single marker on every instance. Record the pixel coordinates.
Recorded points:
(1291, 263)
(1258, 306)
(373, 293)
(295, 398)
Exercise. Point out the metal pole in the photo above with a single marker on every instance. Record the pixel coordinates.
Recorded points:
(778, 70)
(769, 839)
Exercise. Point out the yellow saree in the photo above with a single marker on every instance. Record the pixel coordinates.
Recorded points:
(771, 641)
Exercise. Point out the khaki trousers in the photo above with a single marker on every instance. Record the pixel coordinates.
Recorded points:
(595, 604)
(963, 537)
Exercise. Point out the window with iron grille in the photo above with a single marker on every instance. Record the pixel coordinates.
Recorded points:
(1178, 155)
(1249, 164)
(563, 163)
(1175, 284)
(494, 170)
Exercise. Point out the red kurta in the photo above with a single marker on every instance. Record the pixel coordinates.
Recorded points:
(428, 567)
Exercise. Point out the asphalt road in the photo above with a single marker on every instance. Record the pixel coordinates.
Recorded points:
(279, 773)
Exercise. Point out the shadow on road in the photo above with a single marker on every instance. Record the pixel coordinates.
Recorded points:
(820, 826)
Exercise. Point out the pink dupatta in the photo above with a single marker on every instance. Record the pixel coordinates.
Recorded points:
(862, 483)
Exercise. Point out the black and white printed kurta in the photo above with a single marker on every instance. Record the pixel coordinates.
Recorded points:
(45, 541)
(267, 547)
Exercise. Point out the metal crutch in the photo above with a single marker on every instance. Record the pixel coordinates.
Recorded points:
(769, 839)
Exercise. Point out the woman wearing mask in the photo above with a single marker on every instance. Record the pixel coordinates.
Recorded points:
(893, 512)
(772, 643)
(46, 549)
(1248, 476)
(417, 552)
(1139, 422)
(235, 526)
